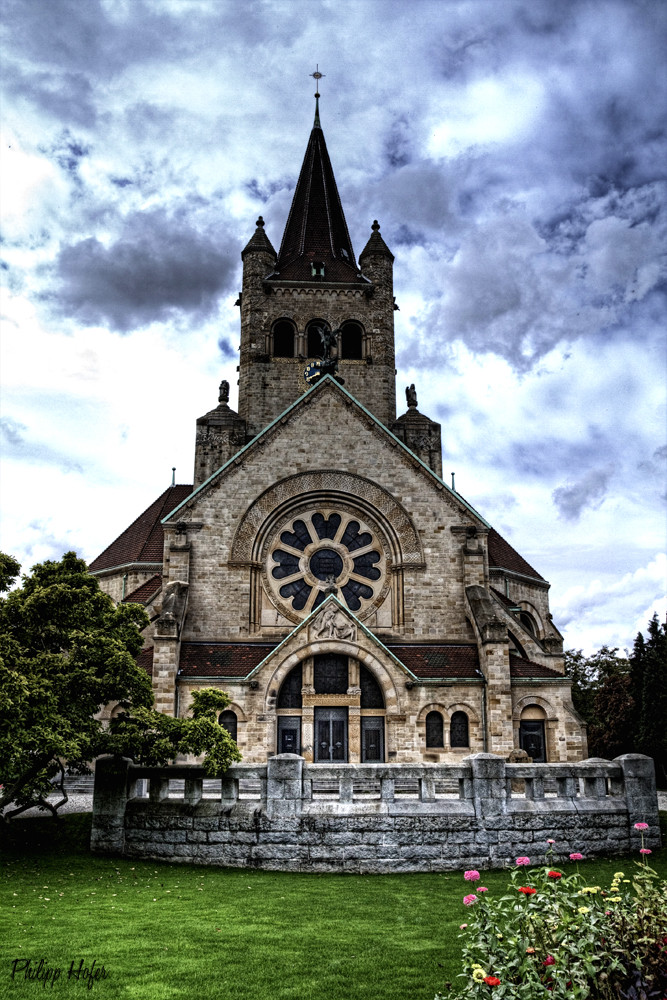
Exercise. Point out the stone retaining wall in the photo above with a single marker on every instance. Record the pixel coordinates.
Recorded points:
(290, 815)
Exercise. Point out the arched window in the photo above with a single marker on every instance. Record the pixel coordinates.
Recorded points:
(283, 339)
(371, 692)
(289, 695)
(351, 341)
(314, 341)
(531, 733)
(434, 730)
(228, 721)
(458, 730)
(528, 622)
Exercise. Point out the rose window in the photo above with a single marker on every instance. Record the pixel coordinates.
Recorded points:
(318, 551)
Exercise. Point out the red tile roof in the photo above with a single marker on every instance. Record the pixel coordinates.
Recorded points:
(143, 540)
(502, 555)
(145, 660)
(316, 229)
(526, 668)
(147, 590)
(438, 661)
(222, 659)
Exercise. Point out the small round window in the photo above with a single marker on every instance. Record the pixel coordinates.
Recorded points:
(324, 549)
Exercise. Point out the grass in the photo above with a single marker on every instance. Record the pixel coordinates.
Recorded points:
(164, 930)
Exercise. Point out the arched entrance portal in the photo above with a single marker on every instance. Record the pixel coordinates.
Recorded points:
(340, 702)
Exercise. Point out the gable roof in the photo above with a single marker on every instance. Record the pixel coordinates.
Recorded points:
(527, 668)
(438, 661)
(147, 590)
(222, 659)
(316, 229)
(142, 542)
(503, 556)
(324, 383)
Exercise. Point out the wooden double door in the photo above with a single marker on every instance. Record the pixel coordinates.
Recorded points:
(332, 732)
(331, 735)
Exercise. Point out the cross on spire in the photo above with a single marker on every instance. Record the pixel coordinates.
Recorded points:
(317, 77)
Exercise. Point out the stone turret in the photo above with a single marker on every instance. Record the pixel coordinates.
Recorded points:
(220, 434)
(421, 434)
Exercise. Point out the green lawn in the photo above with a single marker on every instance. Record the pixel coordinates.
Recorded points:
(163, 930)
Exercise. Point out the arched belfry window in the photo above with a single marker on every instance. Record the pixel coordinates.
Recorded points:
(228, 721)
(434, 730)
(313, 339)
(351, 341)
(458, 730)
(283, 339)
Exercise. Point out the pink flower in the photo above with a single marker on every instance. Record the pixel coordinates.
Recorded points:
(549, 960)
(576, 857)
(551, 841)
(523, 861)
(482, 888)
(469, 900)
(462, 927)
(644, 850)
(641, 826)
(472, 876)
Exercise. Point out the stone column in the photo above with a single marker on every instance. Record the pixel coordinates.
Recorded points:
(307, 733)
(489, 786)
(496, 667)
(284, 786)
(641, 797)
(354, 734)
(109, 800)
(166, 645)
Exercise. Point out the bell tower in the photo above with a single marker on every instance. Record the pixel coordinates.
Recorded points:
(313, 291)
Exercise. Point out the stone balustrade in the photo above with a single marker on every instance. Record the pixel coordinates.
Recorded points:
(288, 814)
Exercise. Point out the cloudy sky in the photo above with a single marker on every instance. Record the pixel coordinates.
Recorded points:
(515, 153)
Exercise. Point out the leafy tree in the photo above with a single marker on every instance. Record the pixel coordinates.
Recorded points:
(649, 682)
(601, 694)
(9, 570)
(65, 651)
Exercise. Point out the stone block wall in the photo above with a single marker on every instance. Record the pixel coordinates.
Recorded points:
(288, 815)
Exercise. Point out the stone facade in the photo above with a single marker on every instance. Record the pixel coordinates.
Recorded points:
(355, 607)
(371, 818)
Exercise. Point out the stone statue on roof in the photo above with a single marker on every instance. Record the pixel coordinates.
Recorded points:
(411, 395)
(223, 395)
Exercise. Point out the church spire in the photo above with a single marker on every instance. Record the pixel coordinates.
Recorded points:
(316, 244)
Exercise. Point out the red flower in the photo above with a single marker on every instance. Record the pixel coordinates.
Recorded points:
(555, 874)
(549, 960)
(526, 889)
(492, 980)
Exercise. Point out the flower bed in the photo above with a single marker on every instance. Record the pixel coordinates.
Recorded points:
(554, 936)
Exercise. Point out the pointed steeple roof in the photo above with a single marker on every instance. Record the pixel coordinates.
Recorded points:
(376, 245)
(259, 241)
(316, 230)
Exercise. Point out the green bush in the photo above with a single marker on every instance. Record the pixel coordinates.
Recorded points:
(554, 936)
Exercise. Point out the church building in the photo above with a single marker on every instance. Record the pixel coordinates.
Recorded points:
(353, 605)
